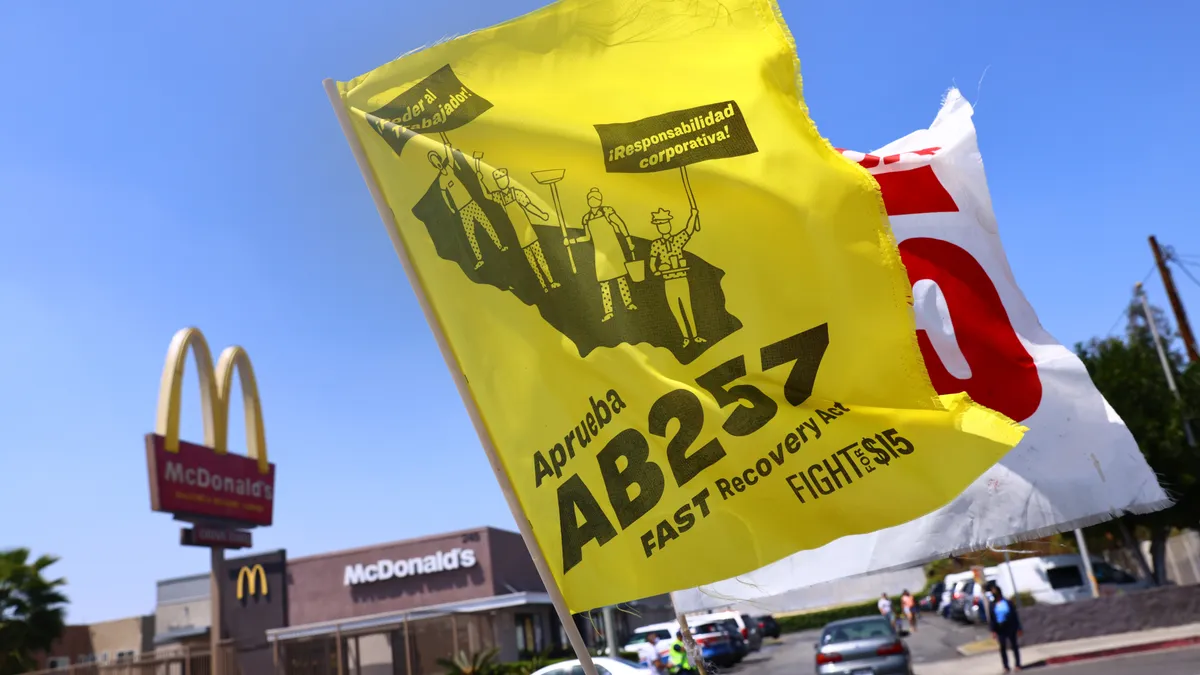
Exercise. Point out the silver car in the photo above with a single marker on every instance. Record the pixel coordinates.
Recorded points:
(863, 646)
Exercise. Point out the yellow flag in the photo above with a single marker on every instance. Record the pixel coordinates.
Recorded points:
(681, 314)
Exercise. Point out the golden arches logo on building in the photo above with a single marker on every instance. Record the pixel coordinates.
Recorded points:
(205, 483)
(246, 578)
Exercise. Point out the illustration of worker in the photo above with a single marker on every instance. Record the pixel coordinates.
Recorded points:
(601, 226)
(461, 203)
(521, 211)
(667, 261)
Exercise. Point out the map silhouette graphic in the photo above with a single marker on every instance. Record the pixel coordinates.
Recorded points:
(575, 309)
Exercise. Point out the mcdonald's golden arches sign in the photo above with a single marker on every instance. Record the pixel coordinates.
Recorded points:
(206, 482)
(251, 580)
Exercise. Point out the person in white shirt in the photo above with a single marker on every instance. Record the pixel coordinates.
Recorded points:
(648, 653)
(885, 608)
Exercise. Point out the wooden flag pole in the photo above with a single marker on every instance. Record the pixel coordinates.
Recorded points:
(389, 222)
(695, 653)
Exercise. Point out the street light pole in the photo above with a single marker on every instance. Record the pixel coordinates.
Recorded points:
(1087, 563)
(1162, 357)
(1012, 578)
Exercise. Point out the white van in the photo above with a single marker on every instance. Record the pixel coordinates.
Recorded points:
(1058, 579)
(665, 632)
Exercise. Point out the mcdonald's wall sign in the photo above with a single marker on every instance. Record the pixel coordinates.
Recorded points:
(254, 599)
(206, 483)
(252, 580)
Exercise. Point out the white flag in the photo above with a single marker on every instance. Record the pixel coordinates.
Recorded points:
(1077, 465)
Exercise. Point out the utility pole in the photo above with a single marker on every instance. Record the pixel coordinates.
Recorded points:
(1162, 357)
(1185, 328)
(1012, 578)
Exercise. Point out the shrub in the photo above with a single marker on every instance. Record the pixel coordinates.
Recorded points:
(530, 666)
(818, 619)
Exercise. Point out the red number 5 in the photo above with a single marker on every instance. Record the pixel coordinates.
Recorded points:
(1003, 374)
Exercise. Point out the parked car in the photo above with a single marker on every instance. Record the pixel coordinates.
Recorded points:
(711, 637)
(1058, 579)
(769, 626)
(944, 605)
(604, 664)
(747, 626)
(954, 583)
(866, 645)
(735, 636)
(959, 597)
(931, 602)
(974, 609)
(715, 643)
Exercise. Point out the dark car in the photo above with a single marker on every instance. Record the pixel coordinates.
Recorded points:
(715, 644)
(750, 631)
(931, 602)
(769, 626)
(740, 648)
(866, 645)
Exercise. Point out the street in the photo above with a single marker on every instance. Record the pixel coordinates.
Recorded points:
(935, 641)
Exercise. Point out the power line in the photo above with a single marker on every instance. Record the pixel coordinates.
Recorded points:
(1188, 272)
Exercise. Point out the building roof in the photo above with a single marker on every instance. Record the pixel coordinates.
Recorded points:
(380, 622)
(399, 542)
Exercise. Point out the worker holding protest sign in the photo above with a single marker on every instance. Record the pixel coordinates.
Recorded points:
(806, 415)
(667, 261)
(460, 201)
(521, 211)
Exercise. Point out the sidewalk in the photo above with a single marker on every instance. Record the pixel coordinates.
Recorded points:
(1070, 650)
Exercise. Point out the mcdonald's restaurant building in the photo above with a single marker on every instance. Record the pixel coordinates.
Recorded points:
(389, 609)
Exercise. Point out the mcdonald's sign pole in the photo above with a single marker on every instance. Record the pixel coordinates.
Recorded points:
(205, 484)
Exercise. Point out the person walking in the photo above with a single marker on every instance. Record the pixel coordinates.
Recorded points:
(648, 654)
(909, 605)
(885, 608)
(1006, 627)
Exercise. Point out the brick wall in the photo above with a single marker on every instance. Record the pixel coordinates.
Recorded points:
(1155, 608)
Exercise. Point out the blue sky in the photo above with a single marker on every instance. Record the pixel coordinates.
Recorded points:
(174, 164)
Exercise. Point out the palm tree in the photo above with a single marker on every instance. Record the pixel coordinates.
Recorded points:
(31, 609)
(479, 663)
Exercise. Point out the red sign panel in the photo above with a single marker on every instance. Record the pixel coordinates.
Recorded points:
(198, 483)
(215, 537)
